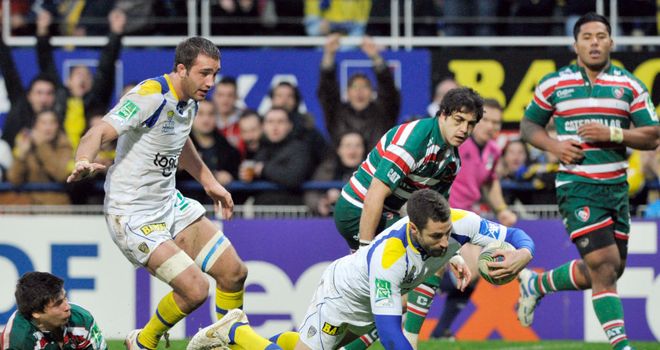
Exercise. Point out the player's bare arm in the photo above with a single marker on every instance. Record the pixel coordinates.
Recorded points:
(461, 271)
(373, 209)
(568, 151)
(89, 146)
(642, 138)
(193, 164)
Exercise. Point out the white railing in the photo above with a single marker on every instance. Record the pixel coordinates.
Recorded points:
(394, 41)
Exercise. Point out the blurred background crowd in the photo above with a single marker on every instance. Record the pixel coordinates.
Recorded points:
(282, 147)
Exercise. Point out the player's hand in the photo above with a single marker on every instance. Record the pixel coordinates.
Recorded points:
(507, 217)
(461, 271)
(569, 151)
(84, 169)
(44, 19)
(222, 201)
(514, 261)
(117, 20)
(594, 132)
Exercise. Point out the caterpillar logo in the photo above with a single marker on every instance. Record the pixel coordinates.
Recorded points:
(147, 229)
(329, 329)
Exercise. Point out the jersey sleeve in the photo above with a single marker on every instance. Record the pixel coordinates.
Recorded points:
(93, 339)
(642, 109)
(471, 228)
(386, 271)
(540, 109)
(400, 157)
(138, 107)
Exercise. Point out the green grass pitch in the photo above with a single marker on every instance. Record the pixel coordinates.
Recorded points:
(464, 345)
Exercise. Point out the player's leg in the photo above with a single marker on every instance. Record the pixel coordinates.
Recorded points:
(146, 241)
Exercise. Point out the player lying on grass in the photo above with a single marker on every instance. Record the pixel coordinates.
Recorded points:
(365, 288)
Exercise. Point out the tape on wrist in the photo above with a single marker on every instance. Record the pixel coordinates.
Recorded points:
(616, 134)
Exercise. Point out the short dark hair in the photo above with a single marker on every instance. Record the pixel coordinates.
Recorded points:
(227, 80)
(357, 76)
(42, 77)
(590, 17)
(462, 99)
(187, 51)
(288, 115)
(492, 103)
(35, 290)
(296, 92)
(427, 204)
(247, 113)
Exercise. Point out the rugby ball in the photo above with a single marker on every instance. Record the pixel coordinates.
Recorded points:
(486, 256)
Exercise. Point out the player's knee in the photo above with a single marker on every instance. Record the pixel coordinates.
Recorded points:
(196, 291)
(606, 273)
(234, 276)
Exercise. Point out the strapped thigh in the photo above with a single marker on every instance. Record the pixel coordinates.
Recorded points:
(173, 266)
(212, 251)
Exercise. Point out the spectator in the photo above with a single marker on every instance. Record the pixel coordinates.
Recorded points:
(81, 93)
(6, 159)
(323, 17)
(337, 167)
(221, 158)
(460, 17)
(235, 17)
(531, 17)
(40, 96)
(281, 159)
(370, 117)
(287, 96)
(535, 180)
(251, 131)
(41, 155)
(441, 89)
(19, 17)
(225, 98)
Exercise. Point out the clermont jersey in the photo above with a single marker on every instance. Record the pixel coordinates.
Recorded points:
(372, 280)
(616, 98)
(407, 158)
(153, 126)
(80, 332)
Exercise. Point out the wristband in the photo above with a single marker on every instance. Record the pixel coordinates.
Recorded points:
(364, 242)
(616, 134)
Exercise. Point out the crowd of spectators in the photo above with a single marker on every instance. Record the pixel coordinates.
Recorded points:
(282, 145)
(322, 17)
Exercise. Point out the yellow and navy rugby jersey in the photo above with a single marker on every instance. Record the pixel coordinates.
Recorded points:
(153, 126)
(372, 280)
(616, 98)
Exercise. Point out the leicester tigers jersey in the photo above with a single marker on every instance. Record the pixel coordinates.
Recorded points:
(407, 158)
(373, 279)
(616, 98)
(153, 126)
(80, 333)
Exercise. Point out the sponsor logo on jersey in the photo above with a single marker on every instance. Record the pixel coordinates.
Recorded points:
(329, 329)
(564, 93)
(149, 228)
(127, 110)
(168, 125)
(618, 92)
(167, 164)
(383, 293)
(582, 213)
(393, 176)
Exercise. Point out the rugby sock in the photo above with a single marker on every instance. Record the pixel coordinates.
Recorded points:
(560, 278)
(609, 310)
(363, 341)
(456, 302)
(243, 335)
(166, 316)
(286, 340)
(419, 302)
(225, 301)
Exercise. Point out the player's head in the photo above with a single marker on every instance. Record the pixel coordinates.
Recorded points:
(430, 219)
(490, 124)
(225, 95)
(593, 41)
(460, 110)
(285, 95)
(79, 81)
(196, 62)
(41, 299)
(41, 93)
(359, 91)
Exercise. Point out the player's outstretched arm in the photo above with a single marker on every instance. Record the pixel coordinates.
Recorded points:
(516, 260)
(88, 148)
(191, 162)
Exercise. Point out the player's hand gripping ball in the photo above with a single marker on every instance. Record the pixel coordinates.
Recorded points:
(486, 256)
